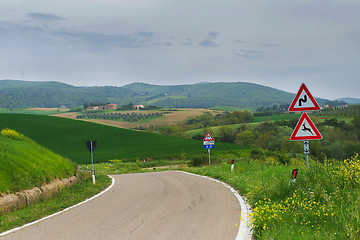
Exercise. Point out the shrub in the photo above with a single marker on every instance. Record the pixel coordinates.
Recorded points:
(283, 158)
(198, 160)
(10, 133)
(257, 154)
(201, 160)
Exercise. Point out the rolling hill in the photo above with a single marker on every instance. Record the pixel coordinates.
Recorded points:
(206, 95)
(25, 94)
(25, 164)
(68, 137)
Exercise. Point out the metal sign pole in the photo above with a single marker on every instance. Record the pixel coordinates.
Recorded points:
(209, 156)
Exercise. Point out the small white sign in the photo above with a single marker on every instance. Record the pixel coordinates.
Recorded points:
(306, 147)
(209, 142)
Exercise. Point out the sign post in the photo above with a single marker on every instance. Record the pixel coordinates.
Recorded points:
(305, 129)
(91, 145)
(208, 143)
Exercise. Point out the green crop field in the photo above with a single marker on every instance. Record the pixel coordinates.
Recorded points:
(68, 138)
(276, 117)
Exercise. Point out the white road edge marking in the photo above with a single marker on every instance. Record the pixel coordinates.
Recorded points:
(244, 232)
(62, 211)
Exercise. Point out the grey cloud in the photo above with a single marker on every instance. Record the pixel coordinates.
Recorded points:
(213, 34)
(93, 41)
(187, 42)
(267, 45)
(247, 53)
(326, 10)
(240, 41)
(210, 41)
(106, 41)
(45, 17)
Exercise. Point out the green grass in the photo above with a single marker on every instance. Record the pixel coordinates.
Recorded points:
(68, 138)
(24, 164)
(230, 109)
(323, 202)
(68, 197)
(24, 111)
(214, 130)
(276, 117)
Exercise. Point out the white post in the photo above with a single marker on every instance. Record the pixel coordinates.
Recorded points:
(232, 165)
(92, 162)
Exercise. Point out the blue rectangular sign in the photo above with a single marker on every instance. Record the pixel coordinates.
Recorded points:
(209, 146)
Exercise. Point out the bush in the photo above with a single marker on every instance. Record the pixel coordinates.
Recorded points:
(198, 161)
(257, 154)
(283, 158)
(9, 133)
(201, 160)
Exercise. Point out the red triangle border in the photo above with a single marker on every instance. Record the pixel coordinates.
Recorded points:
(292, 106)
(208, 133)
(317, 135)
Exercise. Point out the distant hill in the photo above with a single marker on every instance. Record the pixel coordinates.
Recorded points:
(25, 94)
(351, 101)
(206, 95)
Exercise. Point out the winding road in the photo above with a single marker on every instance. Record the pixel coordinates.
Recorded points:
(158, 205)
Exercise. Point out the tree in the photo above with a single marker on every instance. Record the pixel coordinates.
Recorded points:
(245, 138)
(225, 134)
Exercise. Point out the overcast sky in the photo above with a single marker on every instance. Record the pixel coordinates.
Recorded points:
(276, 43)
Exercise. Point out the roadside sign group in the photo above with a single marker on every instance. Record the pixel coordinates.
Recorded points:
(208, 143)
(305, 129)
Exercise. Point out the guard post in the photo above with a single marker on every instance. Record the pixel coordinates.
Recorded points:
(91, 145)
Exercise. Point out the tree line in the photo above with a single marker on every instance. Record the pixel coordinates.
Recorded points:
(340, 138)
(127, 117)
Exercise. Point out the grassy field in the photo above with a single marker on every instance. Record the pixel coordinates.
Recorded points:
(38, 111)
(171, 116)
(24, 164)
(64, 199)
(230, 109)
(323, 202)
(276, 117)
(68, 138)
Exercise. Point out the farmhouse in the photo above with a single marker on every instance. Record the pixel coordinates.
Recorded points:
(138, 107)
(111, 106)
(103, 107)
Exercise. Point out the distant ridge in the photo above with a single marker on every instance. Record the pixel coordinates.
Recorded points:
(351, 101)
(25, 94)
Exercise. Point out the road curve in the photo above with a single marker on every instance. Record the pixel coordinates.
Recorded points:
(159, 205)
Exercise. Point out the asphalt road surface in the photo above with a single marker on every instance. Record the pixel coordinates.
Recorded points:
(161, 205)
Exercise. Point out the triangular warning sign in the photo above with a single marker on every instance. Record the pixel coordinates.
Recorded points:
(303, 101)
(208, 137)
(305, 130)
